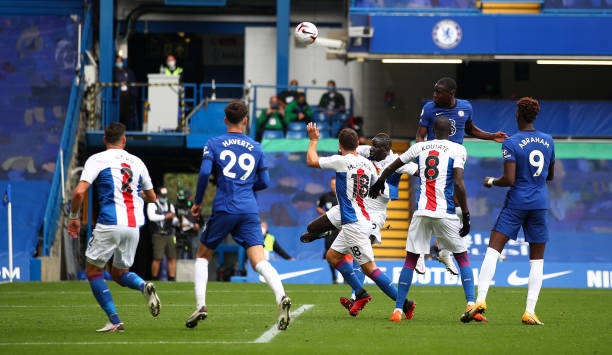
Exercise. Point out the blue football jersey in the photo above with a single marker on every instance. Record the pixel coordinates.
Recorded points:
(237, 159)
(458, 116)
(533, 152)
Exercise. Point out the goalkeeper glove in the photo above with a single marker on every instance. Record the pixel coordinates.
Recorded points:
(466, 224)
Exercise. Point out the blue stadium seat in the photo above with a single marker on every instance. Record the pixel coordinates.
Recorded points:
(324, 127)
(272, 134)
(297, 126)
(321, 117)
(324, 134)
(342, 117)
(335, 128)
(296, 134)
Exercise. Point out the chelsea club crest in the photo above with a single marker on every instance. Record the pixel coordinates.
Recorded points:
(447, 34)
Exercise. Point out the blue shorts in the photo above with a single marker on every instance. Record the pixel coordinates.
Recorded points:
(244, 228)
(534, 223)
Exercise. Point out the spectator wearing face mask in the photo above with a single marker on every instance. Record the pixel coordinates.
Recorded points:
(332, 101)
(285, 97)
(299, 110)
(170, 67)
(162, 222)
(128, 95)
(272, 118)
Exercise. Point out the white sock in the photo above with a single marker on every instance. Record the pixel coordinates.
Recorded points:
(536, 272)
(487, 270)
(200, 276)
(269, 273)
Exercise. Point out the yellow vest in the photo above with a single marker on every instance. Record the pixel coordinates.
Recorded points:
(269, 242)
(177, 71)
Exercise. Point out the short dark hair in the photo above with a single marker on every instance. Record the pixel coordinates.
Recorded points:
(527, 108)
(114, 132)
(235, 111)
(348, 139)
(448, 83)
(383, 139)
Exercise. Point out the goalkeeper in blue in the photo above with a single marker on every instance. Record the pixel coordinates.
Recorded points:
(529, 163)
(237, 162)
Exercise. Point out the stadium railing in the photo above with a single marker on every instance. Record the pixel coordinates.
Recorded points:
(57, 196)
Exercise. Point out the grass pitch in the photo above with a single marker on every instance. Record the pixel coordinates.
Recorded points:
(61, 318)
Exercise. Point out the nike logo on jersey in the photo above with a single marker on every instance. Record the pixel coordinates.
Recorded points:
(289, 275)
(515, 280)
(439, 113)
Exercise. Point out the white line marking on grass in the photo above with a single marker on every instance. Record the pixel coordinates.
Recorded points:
(264, 338)
(273, 331)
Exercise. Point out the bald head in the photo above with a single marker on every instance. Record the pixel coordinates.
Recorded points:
(442, 127)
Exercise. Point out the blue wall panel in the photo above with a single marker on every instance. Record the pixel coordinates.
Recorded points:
(495, 34)
(41, 7)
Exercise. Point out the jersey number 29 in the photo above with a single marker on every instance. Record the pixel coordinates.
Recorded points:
(245, 161)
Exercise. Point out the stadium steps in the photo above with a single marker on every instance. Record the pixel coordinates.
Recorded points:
(510, 7)
(398, 218)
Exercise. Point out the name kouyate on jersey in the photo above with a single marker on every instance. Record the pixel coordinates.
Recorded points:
(436, 160)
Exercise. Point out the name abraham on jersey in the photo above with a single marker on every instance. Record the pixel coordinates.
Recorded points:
(226, 143)
(528, 140)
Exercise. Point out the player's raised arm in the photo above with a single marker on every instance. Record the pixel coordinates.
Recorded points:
(312, 157)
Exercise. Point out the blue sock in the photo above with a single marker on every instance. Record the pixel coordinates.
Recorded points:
(403, 286)
(384, 283)
(467, 280)
(132, 280)
(348, 273)
(358, 274)
(104, 297)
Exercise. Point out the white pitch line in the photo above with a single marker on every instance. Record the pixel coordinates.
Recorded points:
(273, 331)
(264, 338)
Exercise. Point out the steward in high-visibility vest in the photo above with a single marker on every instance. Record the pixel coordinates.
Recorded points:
(176, 71)
(171, 68)
(271, 246)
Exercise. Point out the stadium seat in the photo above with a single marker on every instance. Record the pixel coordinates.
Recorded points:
(324, 134)
(296, 134)
(272, 134)
(297, 126)
(341, 116)
(335, 128)
(321, 117)
(324, 127)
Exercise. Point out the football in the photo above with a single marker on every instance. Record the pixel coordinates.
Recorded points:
(306, 33)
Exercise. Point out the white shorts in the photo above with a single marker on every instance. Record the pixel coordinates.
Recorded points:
(377, 218)
(422, 228)
(108, 241)
(333, 214)
(354, 239)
